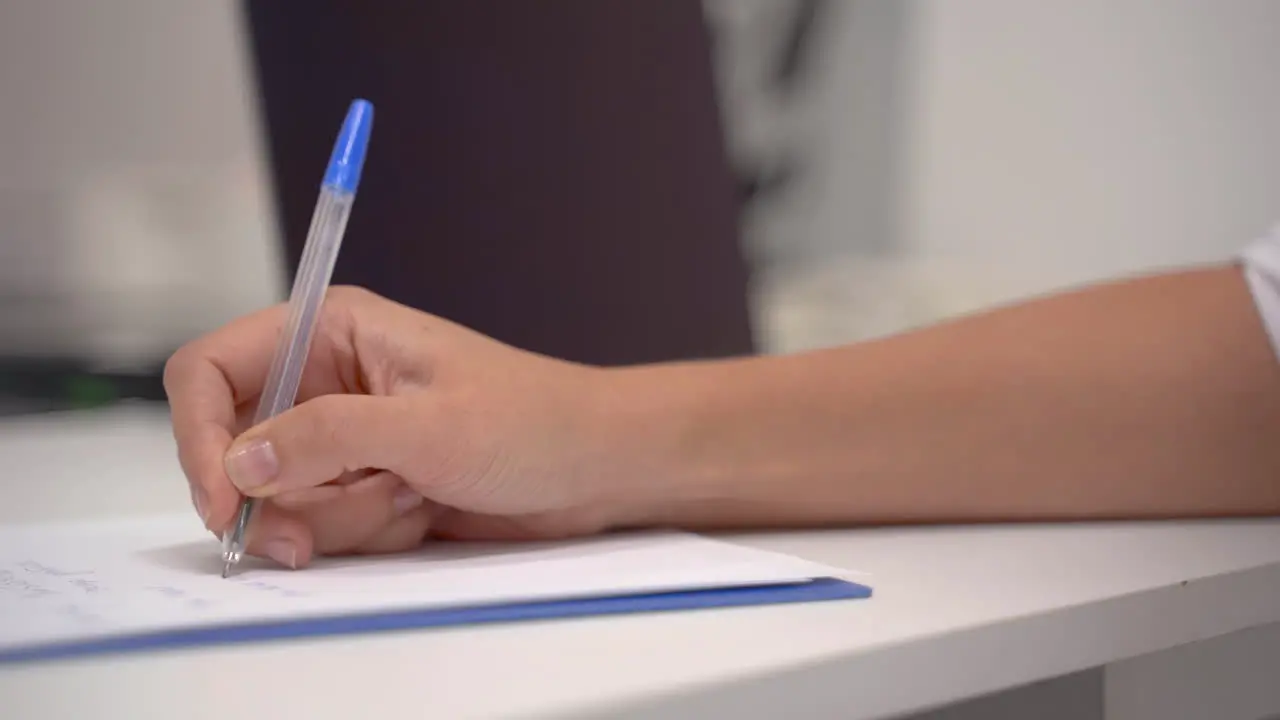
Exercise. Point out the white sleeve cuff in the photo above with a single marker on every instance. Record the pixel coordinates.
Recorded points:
(1261, 261)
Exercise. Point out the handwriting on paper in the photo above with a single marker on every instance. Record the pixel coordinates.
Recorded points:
(80, 594)
(11, 583)
(30, 579)
(62, 591)
(180, 596)
(270, 588)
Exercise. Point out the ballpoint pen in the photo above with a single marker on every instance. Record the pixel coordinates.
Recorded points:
(337, 194)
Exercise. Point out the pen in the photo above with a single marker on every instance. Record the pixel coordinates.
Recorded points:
(337, 194)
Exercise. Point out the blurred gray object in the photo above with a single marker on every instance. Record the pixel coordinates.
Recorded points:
(131, 192)
(813, 95)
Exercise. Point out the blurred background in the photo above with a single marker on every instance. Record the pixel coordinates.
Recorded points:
(612, 181)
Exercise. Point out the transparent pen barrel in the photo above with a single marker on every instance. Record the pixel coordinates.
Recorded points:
(314, 271)
(305, 301)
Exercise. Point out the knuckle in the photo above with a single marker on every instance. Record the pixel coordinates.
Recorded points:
(342, 306)
(175, 367)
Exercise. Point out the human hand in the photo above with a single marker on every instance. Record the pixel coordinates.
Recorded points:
(405, 424)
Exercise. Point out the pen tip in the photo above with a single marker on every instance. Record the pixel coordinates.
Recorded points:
(226, 569)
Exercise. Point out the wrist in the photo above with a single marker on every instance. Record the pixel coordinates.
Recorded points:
(667, 448)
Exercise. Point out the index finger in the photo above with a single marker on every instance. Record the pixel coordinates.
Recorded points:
(205, 381)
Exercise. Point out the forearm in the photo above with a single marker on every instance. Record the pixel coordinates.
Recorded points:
(1151, 397)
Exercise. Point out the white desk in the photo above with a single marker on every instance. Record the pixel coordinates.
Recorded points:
(958, 612)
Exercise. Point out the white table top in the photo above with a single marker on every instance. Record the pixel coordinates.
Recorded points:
(957, 612)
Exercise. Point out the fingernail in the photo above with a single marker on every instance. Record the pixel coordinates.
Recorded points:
(253, 465)
(197, 499)
(406, 499)
(283, 551)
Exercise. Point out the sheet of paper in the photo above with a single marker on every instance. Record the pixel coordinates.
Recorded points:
(73, 582)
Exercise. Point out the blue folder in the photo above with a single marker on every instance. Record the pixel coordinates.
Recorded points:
(819, 589)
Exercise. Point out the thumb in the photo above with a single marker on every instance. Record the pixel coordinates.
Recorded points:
(317, 441)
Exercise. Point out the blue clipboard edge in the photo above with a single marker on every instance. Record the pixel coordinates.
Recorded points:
(816, 590)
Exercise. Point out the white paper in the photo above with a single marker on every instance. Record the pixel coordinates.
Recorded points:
(75, 582)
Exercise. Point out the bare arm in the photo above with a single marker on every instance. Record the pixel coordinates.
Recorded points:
(1151, 397)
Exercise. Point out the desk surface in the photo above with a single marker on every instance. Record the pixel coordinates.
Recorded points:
(958, 612)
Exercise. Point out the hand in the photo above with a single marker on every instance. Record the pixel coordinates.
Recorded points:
(405, 424)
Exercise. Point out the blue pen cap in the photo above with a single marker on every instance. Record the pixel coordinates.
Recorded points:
(347, 160)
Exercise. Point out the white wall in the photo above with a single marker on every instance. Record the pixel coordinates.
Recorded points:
(1033, 145)
(1100, 134)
